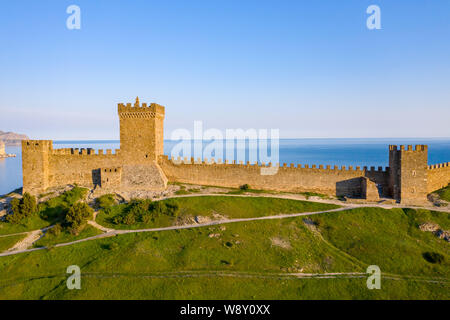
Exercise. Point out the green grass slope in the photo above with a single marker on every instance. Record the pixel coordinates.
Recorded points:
(207, 206)
(10, 241)
(444, 193)
(244, 261)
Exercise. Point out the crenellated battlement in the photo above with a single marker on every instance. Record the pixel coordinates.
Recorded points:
(137, 110)
(318, 168)
(37, 144)
(439, 166)
(417, 147)
(84, 152)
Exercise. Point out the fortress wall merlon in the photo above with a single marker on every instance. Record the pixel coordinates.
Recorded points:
(82, 152)
(417, 147)
(438, 165)
(292, 166)
(37, 145)
(144, 108)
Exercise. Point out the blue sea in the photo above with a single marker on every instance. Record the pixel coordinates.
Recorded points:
(348, 152)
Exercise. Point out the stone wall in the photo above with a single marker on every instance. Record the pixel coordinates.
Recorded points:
(438, 176)
(78, 167)
(326, 180)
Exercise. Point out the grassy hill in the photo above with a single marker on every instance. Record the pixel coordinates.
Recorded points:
(210, 206)
(247, 260)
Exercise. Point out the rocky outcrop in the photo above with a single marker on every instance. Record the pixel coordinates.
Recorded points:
(436, 230)
(11, 138)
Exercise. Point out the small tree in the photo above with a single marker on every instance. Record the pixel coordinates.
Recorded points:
(22, 208)
(28, 205)
(172, 208)
(146, 218)
(77, 216)
(106, 201)
(129, 219)
(158, 208)
(56, 230)
(15, 206)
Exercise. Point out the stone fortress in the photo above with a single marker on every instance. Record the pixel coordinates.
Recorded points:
(140, 164)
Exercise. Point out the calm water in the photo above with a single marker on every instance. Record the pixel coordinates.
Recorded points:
(348, 152)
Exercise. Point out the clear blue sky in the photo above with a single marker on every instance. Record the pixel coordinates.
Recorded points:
(310, 68)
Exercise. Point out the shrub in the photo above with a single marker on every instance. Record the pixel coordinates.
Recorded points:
(55, 231)
(145, 211)
(129, 219)
(28, 205)
(106, 201)
(139, 207)
(112, 246)
(146, 218)
(77, 216)
(22, 208)
(244, 187)
(117, 220)
(433, 257)
(169, 208)
(15, 206)
(70, 197)
(172, 208)
(158, 208)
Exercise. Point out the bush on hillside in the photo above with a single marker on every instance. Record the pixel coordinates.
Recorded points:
(244, 187)
(77, 216)
(70, 197)
(22, 208)
(56, 230)
(106, 201)
(146, 211)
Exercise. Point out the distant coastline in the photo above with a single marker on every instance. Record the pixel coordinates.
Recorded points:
(11, 138)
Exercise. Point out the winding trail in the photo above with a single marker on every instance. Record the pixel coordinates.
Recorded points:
(24, 246)
(115, 232)
(25, 243)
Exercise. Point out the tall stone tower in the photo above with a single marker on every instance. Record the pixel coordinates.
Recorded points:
(141, 144)
(408, 173)
(141, 131)
(35, 165)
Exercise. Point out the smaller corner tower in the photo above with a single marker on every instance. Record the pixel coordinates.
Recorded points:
(408, 173)
(141, 131)
(35, 165)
